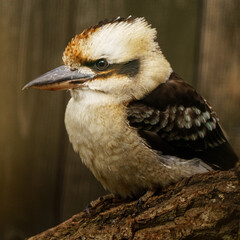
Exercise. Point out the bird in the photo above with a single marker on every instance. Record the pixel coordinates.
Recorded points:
(135, 123)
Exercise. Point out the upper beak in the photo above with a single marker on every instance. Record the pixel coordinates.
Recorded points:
(60, 78)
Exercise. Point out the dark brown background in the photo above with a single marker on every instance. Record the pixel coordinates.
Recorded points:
(42, 181)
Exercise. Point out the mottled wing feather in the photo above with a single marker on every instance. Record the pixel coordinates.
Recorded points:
(175, 119)
(178, 124)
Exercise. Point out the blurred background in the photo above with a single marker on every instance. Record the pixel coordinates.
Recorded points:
(42, 181)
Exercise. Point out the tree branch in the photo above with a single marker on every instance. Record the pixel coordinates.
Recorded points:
(205, 206)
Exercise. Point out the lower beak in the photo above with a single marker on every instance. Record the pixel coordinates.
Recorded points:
(60, 78)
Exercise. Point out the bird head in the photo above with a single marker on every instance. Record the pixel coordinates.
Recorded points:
(119, 58)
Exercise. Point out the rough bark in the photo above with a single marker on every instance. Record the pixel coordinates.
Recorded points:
(205, 206)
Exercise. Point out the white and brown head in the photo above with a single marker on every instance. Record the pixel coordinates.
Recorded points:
(120, 58)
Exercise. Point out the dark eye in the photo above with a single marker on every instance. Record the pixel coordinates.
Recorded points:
(101, 64)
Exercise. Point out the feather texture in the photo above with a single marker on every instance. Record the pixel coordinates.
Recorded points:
(176, 120)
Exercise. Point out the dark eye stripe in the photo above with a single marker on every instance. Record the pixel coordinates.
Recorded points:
(130, 68)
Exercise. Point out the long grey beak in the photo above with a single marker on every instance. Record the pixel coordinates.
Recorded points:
(60, 78)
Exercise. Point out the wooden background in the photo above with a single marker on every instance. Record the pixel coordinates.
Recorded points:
(42, 181)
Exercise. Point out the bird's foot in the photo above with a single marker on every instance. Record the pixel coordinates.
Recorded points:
(143, 199)
(93, 204)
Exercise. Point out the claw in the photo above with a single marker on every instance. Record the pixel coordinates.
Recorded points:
(88, 209)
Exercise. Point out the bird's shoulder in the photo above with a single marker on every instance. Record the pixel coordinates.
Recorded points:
(175, 119)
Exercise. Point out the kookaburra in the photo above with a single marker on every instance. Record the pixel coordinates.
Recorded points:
(135, 124)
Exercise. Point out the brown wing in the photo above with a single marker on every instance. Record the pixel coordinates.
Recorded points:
(176, 120)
